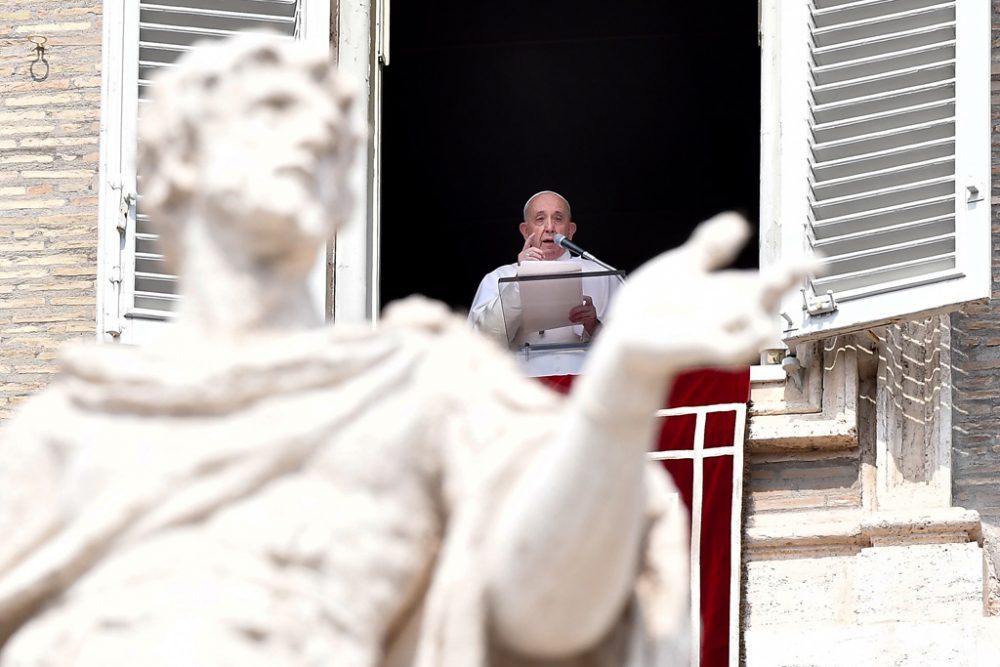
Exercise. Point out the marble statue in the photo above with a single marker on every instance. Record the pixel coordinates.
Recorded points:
(257, 489)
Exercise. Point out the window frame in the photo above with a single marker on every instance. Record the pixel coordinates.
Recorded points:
(110, 167)
(117, 318)
(784, 173)
(362, 52)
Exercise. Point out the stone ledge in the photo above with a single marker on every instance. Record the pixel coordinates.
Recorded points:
(802, 432)
(953, 524)
(791, 530)
(970, 643)
(812, 529)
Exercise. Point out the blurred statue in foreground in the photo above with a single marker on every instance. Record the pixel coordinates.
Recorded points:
(256, 489)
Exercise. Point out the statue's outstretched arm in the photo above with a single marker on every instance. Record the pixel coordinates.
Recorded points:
(566, 550)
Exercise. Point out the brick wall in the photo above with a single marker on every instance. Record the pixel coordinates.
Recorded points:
(780, 483)
(976, 360)
(48, 171)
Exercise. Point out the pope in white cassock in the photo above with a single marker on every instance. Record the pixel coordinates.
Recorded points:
(546, 214)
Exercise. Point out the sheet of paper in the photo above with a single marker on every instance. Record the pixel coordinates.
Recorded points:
(545, 304)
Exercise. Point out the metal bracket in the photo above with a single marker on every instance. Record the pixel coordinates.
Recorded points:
(973, 194)
(128, 200)
(819, 304)
(112, 308)
(113, 323)
(793, 369)
(39, 68)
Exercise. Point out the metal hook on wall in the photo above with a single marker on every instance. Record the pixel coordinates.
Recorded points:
(38, 73)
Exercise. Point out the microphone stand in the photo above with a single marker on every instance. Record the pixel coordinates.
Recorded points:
(593, 259)
(607, 266)
(586, 255)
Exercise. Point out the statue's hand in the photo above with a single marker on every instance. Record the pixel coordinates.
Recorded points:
(678, 312)
(587, 485)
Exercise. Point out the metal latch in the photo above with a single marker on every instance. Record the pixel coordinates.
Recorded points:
(819, 304)
(973, 194)
(128, 200)
(125, 201)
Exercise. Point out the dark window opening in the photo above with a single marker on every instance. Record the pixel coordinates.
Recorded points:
(645, 115)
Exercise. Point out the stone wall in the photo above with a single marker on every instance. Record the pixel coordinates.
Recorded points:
(853, 553)
(781, 482)
(48, 172)
(976, 363)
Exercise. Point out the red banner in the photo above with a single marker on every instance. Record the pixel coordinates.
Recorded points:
(697, 388)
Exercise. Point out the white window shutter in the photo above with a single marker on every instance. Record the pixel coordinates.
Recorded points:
(166, 30)
(883, 117)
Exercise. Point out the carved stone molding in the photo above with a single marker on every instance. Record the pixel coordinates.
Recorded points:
(853, 529)
(833, 423)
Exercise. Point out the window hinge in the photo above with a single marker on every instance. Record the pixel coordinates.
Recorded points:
(126, 200)
(973, 193)
(112, 317)
(819, 304)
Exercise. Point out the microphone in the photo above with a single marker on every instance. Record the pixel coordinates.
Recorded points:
(569, 245)
(574, 248)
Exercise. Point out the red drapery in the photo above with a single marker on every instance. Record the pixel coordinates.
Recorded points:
(694, 388)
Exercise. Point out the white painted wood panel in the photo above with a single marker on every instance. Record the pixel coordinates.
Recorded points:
(882, 115)
(141, 39)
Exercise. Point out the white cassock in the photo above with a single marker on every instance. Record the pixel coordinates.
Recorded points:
(487, 315)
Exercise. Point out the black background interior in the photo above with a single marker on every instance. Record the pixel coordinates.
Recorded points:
(644, 114)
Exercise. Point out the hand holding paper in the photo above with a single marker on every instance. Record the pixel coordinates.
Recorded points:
(585, 314)
(546, 304)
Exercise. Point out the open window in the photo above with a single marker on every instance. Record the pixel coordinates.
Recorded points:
(618, 106)
(137, 294)
(876, 157)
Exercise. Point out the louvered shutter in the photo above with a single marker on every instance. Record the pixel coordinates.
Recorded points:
(167, 29)
(884, 122)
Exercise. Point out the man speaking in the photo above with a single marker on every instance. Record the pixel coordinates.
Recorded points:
(547, 217)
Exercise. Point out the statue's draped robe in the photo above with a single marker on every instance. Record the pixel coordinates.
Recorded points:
(322, 497)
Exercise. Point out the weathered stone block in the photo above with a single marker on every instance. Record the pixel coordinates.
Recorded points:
(919, 582)
(801, 591)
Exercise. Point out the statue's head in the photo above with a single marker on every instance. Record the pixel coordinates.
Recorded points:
(251, 139)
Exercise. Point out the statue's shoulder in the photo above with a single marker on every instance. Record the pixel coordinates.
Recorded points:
(420, 314)
(459, 362)
(431, 330)
(438, 333)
